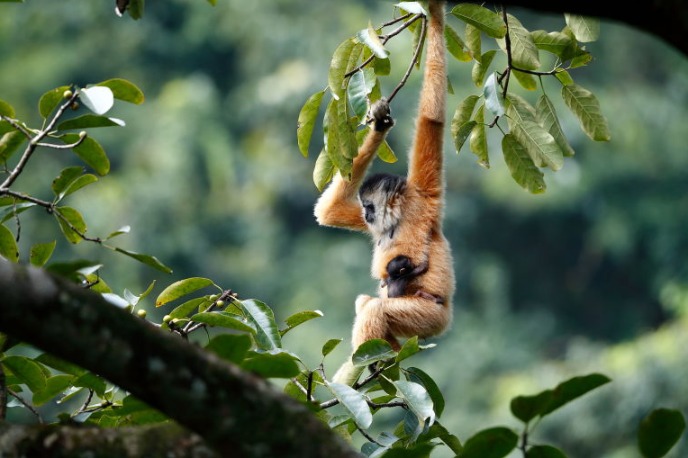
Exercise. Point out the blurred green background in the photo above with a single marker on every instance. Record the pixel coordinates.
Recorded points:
(589, 277)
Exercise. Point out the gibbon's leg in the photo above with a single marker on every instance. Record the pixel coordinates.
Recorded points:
(380, 318)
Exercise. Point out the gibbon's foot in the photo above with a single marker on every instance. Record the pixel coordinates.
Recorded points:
(361, 301)
(380, 115)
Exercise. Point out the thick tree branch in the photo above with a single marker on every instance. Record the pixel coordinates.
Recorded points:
(665, 19)
(237, 413)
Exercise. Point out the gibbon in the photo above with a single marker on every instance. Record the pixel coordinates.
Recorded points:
(400, 274)
(403, 215)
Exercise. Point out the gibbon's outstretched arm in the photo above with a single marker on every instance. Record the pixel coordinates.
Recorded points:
(339, 205)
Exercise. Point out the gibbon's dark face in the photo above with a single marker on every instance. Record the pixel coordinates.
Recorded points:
(379, 198)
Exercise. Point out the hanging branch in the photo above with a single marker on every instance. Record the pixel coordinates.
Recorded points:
(414, 61)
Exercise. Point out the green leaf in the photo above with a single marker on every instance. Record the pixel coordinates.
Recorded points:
(87, 121)
(574, 388)
(455, 45)
(146, 259)
(338, 67)
(461, 126)
(521, 166)
(564, 77)
(382, 67)
(274, 364)
(27, 371)
(525, 408)
(323, 171)
(371, 352)
(9, 143)
(300, 318)
(40, 253)
(556, 43)
(59, 364)
(354, 403)
(474, 42)
(341, 142)
(263, 318)
(480, 17)
(124, 90)
(526, 80)
(8, 245)
(584, 105)
(6, 109)
(231, 347)
(90, 152)
(585, 29)
(223, 320)
(80, 182)
(409, 349)
(71, 223)
(136, 9)
(478, 139)
(66, 177)
(547, 117)
(540, 144)
(385, 153)
(494, 101)
(92, 382)
(494, 442)
(54, 386)
(120, 231)
(360, 86)
(50, 100)
(545, 451)
(659, 431)
(417, 399)
(183, 310)
(481, 67)
(524, 53)
(329, 346)
(370, 38)
(306, 121)
(418, 376)
(182, 288)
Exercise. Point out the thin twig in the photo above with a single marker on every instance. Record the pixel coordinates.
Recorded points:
(367, 436)
(17, 125)
(416, 56)
(69, 146)
(26, 404)
(27, 198)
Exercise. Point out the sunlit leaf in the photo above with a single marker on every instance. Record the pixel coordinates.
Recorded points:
(482, 18)
(385, 153)
(90, 152)
(354, 403)
(8, 245)
(71, 223)
(382, 67)
(455, 45)
(584, 105)
(87, 121)
(98, 99)
(9, 143)
(338, 67)
(417, 399)
(323, 171)
(494, 101)
(183, 310)
(460, 126)
(6, 109)
(118, 232)
(263, 318)
(556, 43)
(181, 288)
(526, 80)
(564, 77)
(371, 352)
(369, 38)
(41, 252)
(418, 376)
(478, 139)
(50, 100)
(232, 347)
(341, 139)
(547, 116)
(412, 7)
(524, 53)
(659, 431)
(409, 349)
(27, 371)
(473, 42)
(521, 166)
(124, 90)
(585, 29)
(306, 121)
(357, 93)
(494, 442)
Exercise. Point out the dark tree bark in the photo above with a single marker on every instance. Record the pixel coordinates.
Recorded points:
(237, 413)
(665, 19)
